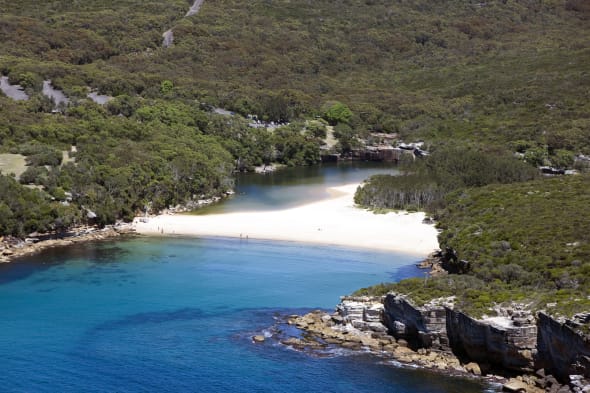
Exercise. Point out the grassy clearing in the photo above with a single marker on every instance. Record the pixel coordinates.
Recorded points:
(12, 163)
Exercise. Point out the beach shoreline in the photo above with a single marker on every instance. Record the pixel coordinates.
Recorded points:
(333, 221)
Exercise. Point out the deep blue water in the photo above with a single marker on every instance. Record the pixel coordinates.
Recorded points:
(175, 315)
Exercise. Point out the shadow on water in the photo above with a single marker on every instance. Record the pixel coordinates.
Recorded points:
(407, 271)
(103, 252)
(153, 317)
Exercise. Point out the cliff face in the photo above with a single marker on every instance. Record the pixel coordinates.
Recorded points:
(513, 342)
(421, 327)
(510, 347)
(447, 340)
(561, 350)
(507, 343)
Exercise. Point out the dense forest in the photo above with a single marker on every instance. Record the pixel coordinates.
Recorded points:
(497, 71)
(424, 183)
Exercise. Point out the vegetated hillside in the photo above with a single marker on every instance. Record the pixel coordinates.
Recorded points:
(508, 73)
(163, 153)
(526, 242)
(491, 71)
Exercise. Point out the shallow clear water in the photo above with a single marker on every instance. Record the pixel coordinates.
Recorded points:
(291, 187)
(178, 315)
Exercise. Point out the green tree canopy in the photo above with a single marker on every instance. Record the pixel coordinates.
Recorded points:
(337, 112)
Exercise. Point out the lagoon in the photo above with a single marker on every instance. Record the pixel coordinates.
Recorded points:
(290, 187)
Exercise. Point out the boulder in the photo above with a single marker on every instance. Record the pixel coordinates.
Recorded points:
(402, 343)
(351, 345)
(377, 327)
(473, 368)
(332, 340)
(515, 386)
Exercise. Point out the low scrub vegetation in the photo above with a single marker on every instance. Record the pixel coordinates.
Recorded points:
(425, 182)
(526, 242)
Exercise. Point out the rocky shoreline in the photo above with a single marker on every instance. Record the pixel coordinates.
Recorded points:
(387, 327)
(13, 248)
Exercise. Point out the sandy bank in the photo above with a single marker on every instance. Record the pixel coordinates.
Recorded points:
(334, 221)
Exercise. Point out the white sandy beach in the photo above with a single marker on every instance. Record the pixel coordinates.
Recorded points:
(334, 221)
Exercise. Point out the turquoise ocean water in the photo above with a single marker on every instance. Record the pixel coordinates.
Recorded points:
(178, 314)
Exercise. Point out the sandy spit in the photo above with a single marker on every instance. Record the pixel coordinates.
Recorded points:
(335, 221)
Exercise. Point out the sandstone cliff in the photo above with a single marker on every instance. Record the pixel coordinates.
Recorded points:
(562, 351)
(544, 353)
(514, 341)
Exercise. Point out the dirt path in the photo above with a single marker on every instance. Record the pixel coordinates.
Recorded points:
(195, 8)
(168, 36)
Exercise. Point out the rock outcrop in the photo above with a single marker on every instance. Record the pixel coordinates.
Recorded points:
(357, 325)
(423, 327)
(550, 355)
(563, 351)
(500, 343)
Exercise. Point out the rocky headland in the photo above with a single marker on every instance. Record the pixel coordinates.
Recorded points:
(525, 352)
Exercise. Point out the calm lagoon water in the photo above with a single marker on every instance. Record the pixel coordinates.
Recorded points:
(291, 187)
(177, 315)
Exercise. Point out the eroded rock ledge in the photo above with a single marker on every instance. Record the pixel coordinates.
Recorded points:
(543, 354)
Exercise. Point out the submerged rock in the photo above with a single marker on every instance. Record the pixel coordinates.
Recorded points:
(258, 338)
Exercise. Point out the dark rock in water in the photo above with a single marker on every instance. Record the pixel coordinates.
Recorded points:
(351, 345)
(292, 341)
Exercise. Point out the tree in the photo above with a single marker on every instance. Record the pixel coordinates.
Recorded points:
(337, 112)
(347, 137)
(166, 87)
